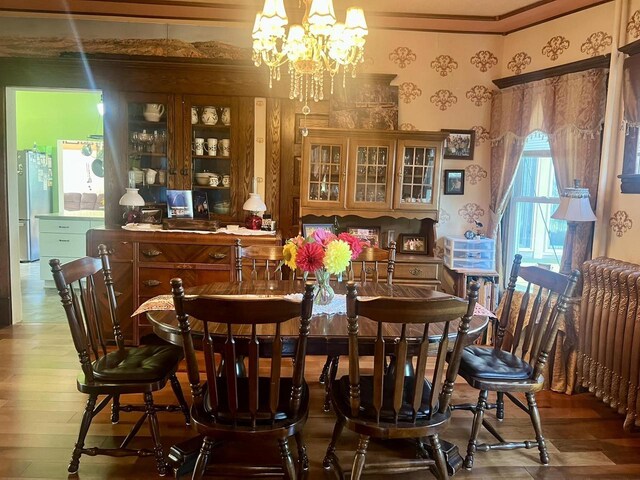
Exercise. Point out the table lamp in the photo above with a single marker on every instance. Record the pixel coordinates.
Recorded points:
(254, 205)
(574, 207)
(131, 200)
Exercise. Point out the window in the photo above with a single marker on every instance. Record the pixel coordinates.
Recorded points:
(531, 231)
(630, 177)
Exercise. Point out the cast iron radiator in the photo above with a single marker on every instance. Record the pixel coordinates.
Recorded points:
(609, 335)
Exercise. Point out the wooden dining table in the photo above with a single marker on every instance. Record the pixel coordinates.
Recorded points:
(328, 335)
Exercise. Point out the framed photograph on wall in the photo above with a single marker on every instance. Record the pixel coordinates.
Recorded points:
(412, 243)
(459, 144)
(309, 228)
(454, 182)
(370, 234)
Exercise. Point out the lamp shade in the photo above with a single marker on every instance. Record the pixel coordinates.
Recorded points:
(132, 198)
(355, 21)
(574, 206)
(254, 203)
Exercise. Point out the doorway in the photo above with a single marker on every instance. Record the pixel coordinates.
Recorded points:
(46, 130)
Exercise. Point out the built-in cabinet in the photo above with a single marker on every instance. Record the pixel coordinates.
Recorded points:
(176, 142)
(371, 173)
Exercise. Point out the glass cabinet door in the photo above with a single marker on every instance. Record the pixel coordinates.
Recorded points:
(148, 149)
(370, 174)
(416, 181)
(210, 152)
(324, 173)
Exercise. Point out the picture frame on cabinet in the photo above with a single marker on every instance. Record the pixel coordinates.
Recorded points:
(179, 204)
(369, 234)
(200, 204)
(454, 182)
(309, 228)
(412, 243)
(459, 145)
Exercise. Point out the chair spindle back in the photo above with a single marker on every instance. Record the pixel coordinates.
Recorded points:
(544, 302)
(263, 259)
(418, 318)
(234, 317)
(370, 261)
(79, 284)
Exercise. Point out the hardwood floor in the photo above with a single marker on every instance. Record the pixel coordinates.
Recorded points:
(40, 411)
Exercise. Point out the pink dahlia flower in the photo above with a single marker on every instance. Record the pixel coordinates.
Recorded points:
(323, 237)
(354, 244)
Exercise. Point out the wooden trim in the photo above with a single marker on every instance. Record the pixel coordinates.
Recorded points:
(273, 155)
(601, 61)
(632, 48)
(555, 17)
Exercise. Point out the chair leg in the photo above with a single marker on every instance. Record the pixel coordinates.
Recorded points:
(358, 462)
(325, 370)
(287, 459)
(74, 464)
(115, 409)
(475, 428)
(330, 457)
(500, 406)
(333, 373)
(177, 390)
(155, 434)
(441, 463)
(537, 426)
(203, 459)
(303, 459)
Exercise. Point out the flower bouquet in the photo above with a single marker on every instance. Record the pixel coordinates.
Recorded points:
(324, 254)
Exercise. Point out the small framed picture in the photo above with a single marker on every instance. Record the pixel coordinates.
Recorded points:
(370, 234)
(412, 243)
(459, 144)
(309, 228)
(200, 204)
(179, 204)
(454, 182)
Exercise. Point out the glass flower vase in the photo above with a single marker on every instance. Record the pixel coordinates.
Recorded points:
(323, 293)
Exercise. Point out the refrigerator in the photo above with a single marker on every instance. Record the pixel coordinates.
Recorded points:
(34, 198)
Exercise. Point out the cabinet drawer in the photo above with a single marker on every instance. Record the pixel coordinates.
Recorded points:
(62, 244)
(65, 226)
(416, 271)
(156, 281)
(169, 253)
(118, 250)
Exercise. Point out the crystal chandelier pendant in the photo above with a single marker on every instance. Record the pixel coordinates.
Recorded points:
(317, 47)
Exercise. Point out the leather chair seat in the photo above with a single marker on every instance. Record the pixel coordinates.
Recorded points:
(283, 410)
(367, 411)
(489, 364)
(140, 364)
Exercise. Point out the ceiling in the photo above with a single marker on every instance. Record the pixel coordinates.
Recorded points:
(482, 16)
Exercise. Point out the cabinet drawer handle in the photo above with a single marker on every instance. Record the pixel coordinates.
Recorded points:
(217, 256)
(151, 283)
(111, 251)
(63, 226)
(415, 272)
(63, 241)
(151, 253)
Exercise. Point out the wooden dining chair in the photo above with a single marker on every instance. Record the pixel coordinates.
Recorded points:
(395, 404)
(264, 262)
(112, 372)
(252, 408)
(516, 361)
(365, 268)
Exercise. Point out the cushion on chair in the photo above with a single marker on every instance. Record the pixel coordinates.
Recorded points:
(340, 392)
(488, 363)
(283, 411)
(140, 364)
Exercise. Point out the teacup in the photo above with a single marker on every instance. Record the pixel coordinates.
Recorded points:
(162, 176)
(225, 147)
(226, 180)
(212, 146)
(198, 146)
(209, 116)
(194, 115)
(214, 180)
(150, 176)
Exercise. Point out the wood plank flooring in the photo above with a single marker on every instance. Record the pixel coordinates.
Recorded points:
(40, 411)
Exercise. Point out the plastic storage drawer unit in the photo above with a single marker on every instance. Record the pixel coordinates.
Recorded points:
(475, 254)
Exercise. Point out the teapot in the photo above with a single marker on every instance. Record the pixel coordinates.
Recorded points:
(154, 108)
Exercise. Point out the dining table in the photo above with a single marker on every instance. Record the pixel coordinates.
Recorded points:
(328, 331)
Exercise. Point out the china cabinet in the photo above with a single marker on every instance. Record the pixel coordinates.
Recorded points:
(371, 173)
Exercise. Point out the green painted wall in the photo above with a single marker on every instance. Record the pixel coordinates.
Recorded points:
(45, 117)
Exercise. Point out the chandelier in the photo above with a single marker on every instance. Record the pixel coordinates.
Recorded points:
(318, 45)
